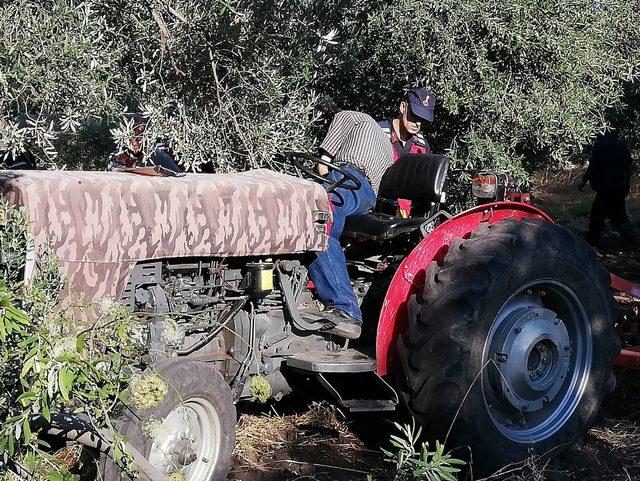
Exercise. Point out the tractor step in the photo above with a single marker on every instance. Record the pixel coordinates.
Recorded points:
(360, 392)
(349, 376)
(344, 361)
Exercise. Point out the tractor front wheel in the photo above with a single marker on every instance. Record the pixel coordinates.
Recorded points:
(190, 431)
(508, 350)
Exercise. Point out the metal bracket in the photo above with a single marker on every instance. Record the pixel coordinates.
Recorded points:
(386, 403)
(292, 306)
(432, 218)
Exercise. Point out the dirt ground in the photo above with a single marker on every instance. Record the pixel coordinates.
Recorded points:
(304, 439)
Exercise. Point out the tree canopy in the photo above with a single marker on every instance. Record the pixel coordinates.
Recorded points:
(520, 84)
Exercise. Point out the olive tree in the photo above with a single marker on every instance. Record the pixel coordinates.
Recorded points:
(231, 83)
(521, 84)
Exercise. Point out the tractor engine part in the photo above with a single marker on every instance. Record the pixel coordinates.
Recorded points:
(195, 309)
(210, 336)
(260, 280)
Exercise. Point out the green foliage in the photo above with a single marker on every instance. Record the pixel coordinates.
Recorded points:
(56, 64)
(260, 388)
(15, 242)
(50, 363)
(215, 81)
(415, 461)
(521, 85)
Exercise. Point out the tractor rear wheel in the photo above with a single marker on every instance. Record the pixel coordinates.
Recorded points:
(508, 350)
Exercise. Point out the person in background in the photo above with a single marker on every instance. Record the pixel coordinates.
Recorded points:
(609, 174)
(326, 110)
(404, 132)
(134, 156)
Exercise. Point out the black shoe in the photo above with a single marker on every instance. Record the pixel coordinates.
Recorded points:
(342, 324)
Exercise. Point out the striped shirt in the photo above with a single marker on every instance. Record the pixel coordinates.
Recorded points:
(356, 138)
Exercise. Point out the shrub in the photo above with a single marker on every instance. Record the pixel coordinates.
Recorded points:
(50, 364)
(414, 461)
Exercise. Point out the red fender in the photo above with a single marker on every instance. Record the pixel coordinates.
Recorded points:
(623, 285)
(409, 278)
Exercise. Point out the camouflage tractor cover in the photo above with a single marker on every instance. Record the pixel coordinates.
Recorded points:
(101, 223)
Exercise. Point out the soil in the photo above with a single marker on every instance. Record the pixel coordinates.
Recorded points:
(305, 437)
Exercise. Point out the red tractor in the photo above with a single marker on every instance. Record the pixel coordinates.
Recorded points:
(495, 326)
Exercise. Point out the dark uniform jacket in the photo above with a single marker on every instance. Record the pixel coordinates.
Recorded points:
(610, 166)
(416, 144)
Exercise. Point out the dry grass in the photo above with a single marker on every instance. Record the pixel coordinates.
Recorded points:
(557, 193)
(316, 443)
(320, 444)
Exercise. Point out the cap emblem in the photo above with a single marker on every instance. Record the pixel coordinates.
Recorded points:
(425, 102)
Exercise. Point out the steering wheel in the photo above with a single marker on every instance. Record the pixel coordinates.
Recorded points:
(304, 162)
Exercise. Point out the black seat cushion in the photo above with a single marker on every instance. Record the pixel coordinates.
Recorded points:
(380, 226)
(415, 177)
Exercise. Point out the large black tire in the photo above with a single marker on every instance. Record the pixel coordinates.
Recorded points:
(192, 384)
(470, 305)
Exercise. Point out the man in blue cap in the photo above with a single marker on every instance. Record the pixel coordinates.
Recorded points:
(417, 108)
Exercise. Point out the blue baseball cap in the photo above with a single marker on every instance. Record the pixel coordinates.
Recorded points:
(422, 103)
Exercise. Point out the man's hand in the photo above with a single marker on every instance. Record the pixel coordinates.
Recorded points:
(323, 169)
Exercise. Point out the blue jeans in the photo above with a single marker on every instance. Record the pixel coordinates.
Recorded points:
(329, 270)
(160, 157)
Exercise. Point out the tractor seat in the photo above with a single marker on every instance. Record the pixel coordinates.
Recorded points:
(415, 177)
(379, 226)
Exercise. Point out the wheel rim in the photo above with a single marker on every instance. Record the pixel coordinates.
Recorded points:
(538, 357)
(188, 441)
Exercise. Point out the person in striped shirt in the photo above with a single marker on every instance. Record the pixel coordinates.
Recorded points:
(356, 143)
(404, 132)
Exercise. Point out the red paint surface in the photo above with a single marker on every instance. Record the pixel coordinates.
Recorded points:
(409, 278)
(623, 285)
(629, 358)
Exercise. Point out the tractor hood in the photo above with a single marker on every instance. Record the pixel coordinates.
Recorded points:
(101, 223)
